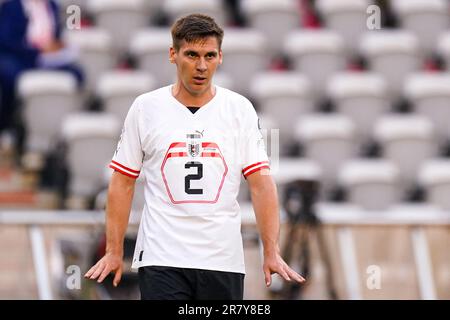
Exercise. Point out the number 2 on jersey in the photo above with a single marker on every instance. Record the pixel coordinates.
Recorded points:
(189, 177)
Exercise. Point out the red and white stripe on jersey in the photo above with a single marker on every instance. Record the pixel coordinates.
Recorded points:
(178, 149)
(255, 167)
(124, 170)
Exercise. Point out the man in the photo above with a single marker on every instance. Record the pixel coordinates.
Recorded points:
(30, 37)
(193, 140)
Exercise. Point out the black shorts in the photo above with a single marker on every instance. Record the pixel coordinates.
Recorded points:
(169, 283)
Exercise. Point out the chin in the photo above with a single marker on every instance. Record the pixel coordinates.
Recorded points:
(199, 89)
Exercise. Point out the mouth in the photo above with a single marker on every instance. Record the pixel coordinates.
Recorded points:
(199, 80)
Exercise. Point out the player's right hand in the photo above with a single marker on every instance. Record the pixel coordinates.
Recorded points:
(109, 263)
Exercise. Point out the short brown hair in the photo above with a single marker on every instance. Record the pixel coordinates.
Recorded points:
(195, 27)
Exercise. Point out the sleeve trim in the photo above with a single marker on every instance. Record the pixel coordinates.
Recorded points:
(254, 165)
(124, 167)
(255, 170)
(123, 171)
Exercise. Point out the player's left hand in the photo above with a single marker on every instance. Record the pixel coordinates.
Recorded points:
(274, 263)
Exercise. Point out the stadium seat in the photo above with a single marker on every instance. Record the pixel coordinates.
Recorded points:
(95, 56)
(91, 139)
(434, 176)
(429, 94)
(150, 47)
(393, 54)
(425, 18)
(361, 96)
(372, 184)
(282, 96)
(347, 17)
(273, 18)
(176, 9)
(121, 18)
(48, 96)
(223, 80)
(328, 139)
(407, 141)
(118, 89)
(287, 169)
(443, 49)
(317, 54)
(154, 8)
(244, 55)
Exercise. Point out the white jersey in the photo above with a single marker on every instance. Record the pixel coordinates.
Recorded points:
(192, 164)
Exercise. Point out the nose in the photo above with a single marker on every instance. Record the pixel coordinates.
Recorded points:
(201, 65)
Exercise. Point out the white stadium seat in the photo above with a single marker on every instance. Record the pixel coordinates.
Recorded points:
(329, 141)
(429, 93)
(151, 48)
(317, 54)
(273, 18)
(347, 17)
(95, 56)
(177, 9)
(425, 18)
(284, 97)
(407, 141)
(361, 96)
(91, 139)
(48, 97)
(434, 176)
(154, 7)
(287, 170)
(121, 18)
(393, 54)
(291, 169)
(118, 89)
(372, 184)
(223, 80)
(245, 55)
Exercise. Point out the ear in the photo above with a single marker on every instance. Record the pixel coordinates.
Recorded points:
(172, 54)
(220, 56)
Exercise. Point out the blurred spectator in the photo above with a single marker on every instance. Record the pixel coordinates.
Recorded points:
(29, 38)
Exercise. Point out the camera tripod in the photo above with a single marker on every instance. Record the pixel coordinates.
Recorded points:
(299, 199)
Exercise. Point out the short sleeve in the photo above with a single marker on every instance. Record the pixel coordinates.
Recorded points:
(254, 155)
(128, 156)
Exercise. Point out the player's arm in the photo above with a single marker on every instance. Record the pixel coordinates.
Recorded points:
(265, 204)
(120, 195)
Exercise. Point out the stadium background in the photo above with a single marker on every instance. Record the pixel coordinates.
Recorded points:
(362, 107)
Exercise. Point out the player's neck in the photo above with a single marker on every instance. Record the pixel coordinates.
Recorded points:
(193, 100)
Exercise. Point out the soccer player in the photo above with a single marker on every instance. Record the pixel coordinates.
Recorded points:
(192, 140)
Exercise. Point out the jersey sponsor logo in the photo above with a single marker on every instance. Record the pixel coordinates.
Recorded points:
(200, 132)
